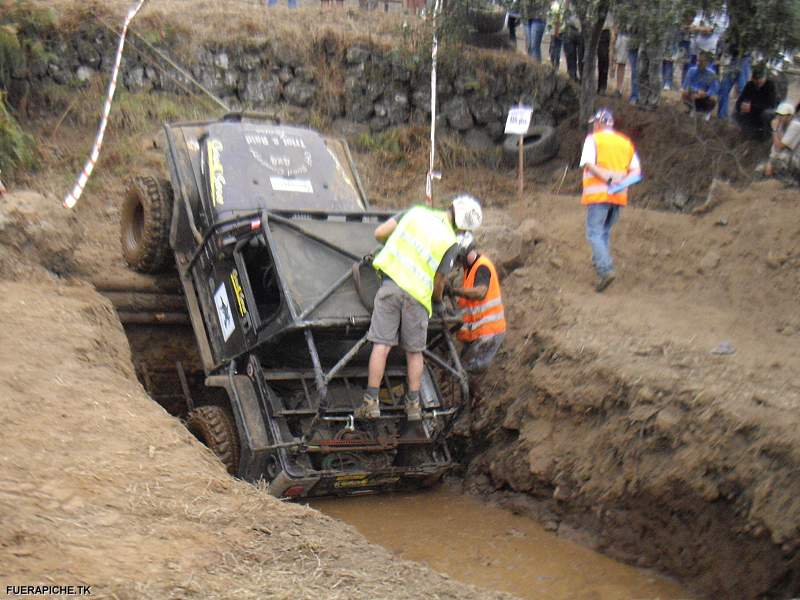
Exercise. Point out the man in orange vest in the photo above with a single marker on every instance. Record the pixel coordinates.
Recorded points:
(481, 305)
(608, 158)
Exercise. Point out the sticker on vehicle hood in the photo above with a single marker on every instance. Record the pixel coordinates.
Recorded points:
(224, 312)
(281, 184)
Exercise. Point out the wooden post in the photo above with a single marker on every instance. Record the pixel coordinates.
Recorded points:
(521, 182)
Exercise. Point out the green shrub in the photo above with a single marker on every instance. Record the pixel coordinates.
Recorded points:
(17, 148)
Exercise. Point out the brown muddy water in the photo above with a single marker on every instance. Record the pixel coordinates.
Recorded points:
(492, 548)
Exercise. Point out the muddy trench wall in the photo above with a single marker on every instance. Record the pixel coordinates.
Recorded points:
(328, 76)
(644, 474)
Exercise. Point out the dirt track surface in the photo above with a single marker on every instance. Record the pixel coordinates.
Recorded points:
(101, 487)
(612, 408)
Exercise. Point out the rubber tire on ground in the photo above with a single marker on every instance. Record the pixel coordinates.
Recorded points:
(540, 144)
(144, 224)
(212, 426)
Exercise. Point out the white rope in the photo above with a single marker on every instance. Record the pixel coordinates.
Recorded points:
(434, 51)
(72, 198)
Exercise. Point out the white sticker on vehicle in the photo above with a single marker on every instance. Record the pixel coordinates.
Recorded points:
(281, 184)
(224, 312)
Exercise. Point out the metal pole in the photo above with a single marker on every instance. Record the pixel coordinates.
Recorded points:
(520, 183)
(434, 52)
(345, 359)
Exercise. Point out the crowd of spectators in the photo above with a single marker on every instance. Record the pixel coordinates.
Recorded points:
(717, 78)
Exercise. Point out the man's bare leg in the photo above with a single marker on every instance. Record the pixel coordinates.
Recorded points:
(377, 364)
(415, 365)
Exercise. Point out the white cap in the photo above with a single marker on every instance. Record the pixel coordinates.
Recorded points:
(785, 109)
(467, 213)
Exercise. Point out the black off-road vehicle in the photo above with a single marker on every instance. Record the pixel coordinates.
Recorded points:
(271, 234)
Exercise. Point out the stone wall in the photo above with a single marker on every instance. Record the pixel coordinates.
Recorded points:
(365, 83)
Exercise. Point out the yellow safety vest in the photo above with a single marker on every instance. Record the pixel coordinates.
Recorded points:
(414, 250)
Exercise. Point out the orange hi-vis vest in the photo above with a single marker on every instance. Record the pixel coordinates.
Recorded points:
(482, 317)
(614, 152)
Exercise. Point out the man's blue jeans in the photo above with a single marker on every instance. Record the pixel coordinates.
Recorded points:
(633, 61)
(600, 218)
(291, 3)
(534, 32)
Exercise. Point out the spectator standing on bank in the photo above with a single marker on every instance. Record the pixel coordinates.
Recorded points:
(755, 105)
(634, 40)
(604, 55)
(608, 157)
(2, 187)
(573, 44)
(620, 60)
(706, 30)
(657, 22)
(513, 20)
(534, 13)
(556, 18)
(784, 156)
(701, 86)
(672, 53)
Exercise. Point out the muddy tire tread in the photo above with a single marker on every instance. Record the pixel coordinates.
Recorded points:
(212, 426)
(152, 254)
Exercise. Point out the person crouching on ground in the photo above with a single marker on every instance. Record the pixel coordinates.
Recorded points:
(484, 327)
(420, 247)
(701, 86)
(608, 157)
(784, 156)
(755, 106)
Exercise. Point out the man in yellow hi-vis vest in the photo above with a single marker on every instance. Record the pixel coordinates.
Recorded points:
(420, 247)
(607, 159)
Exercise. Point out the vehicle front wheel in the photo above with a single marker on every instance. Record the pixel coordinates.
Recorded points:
(212, 426)
(144, 224)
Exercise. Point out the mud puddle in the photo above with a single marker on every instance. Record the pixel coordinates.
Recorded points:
(492, 548)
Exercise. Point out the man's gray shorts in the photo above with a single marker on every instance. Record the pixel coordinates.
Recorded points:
(398, 317)
(478, 355)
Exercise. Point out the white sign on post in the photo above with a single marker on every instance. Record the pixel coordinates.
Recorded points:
(519, 119)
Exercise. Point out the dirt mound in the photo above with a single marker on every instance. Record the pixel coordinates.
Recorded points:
(35, 233)
(617, 412)
(94, 469)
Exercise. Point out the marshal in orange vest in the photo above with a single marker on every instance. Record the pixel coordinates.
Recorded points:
(482, 317)
(614, 152)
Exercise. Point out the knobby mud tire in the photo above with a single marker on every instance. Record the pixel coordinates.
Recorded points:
(540, 144)
(212, 426)
(144, 224)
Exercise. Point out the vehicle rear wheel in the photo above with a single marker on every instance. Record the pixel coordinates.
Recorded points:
(212, 426)
(144, 224)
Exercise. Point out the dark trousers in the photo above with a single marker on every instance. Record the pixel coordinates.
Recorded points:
(573, 50)
(603, 56)
(555, 51)
(512, 28)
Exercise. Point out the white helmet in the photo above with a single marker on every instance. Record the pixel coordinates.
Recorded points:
(467, 213)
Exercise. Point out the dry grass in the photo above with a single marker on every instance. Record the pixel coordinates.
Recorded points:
(233, 20)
